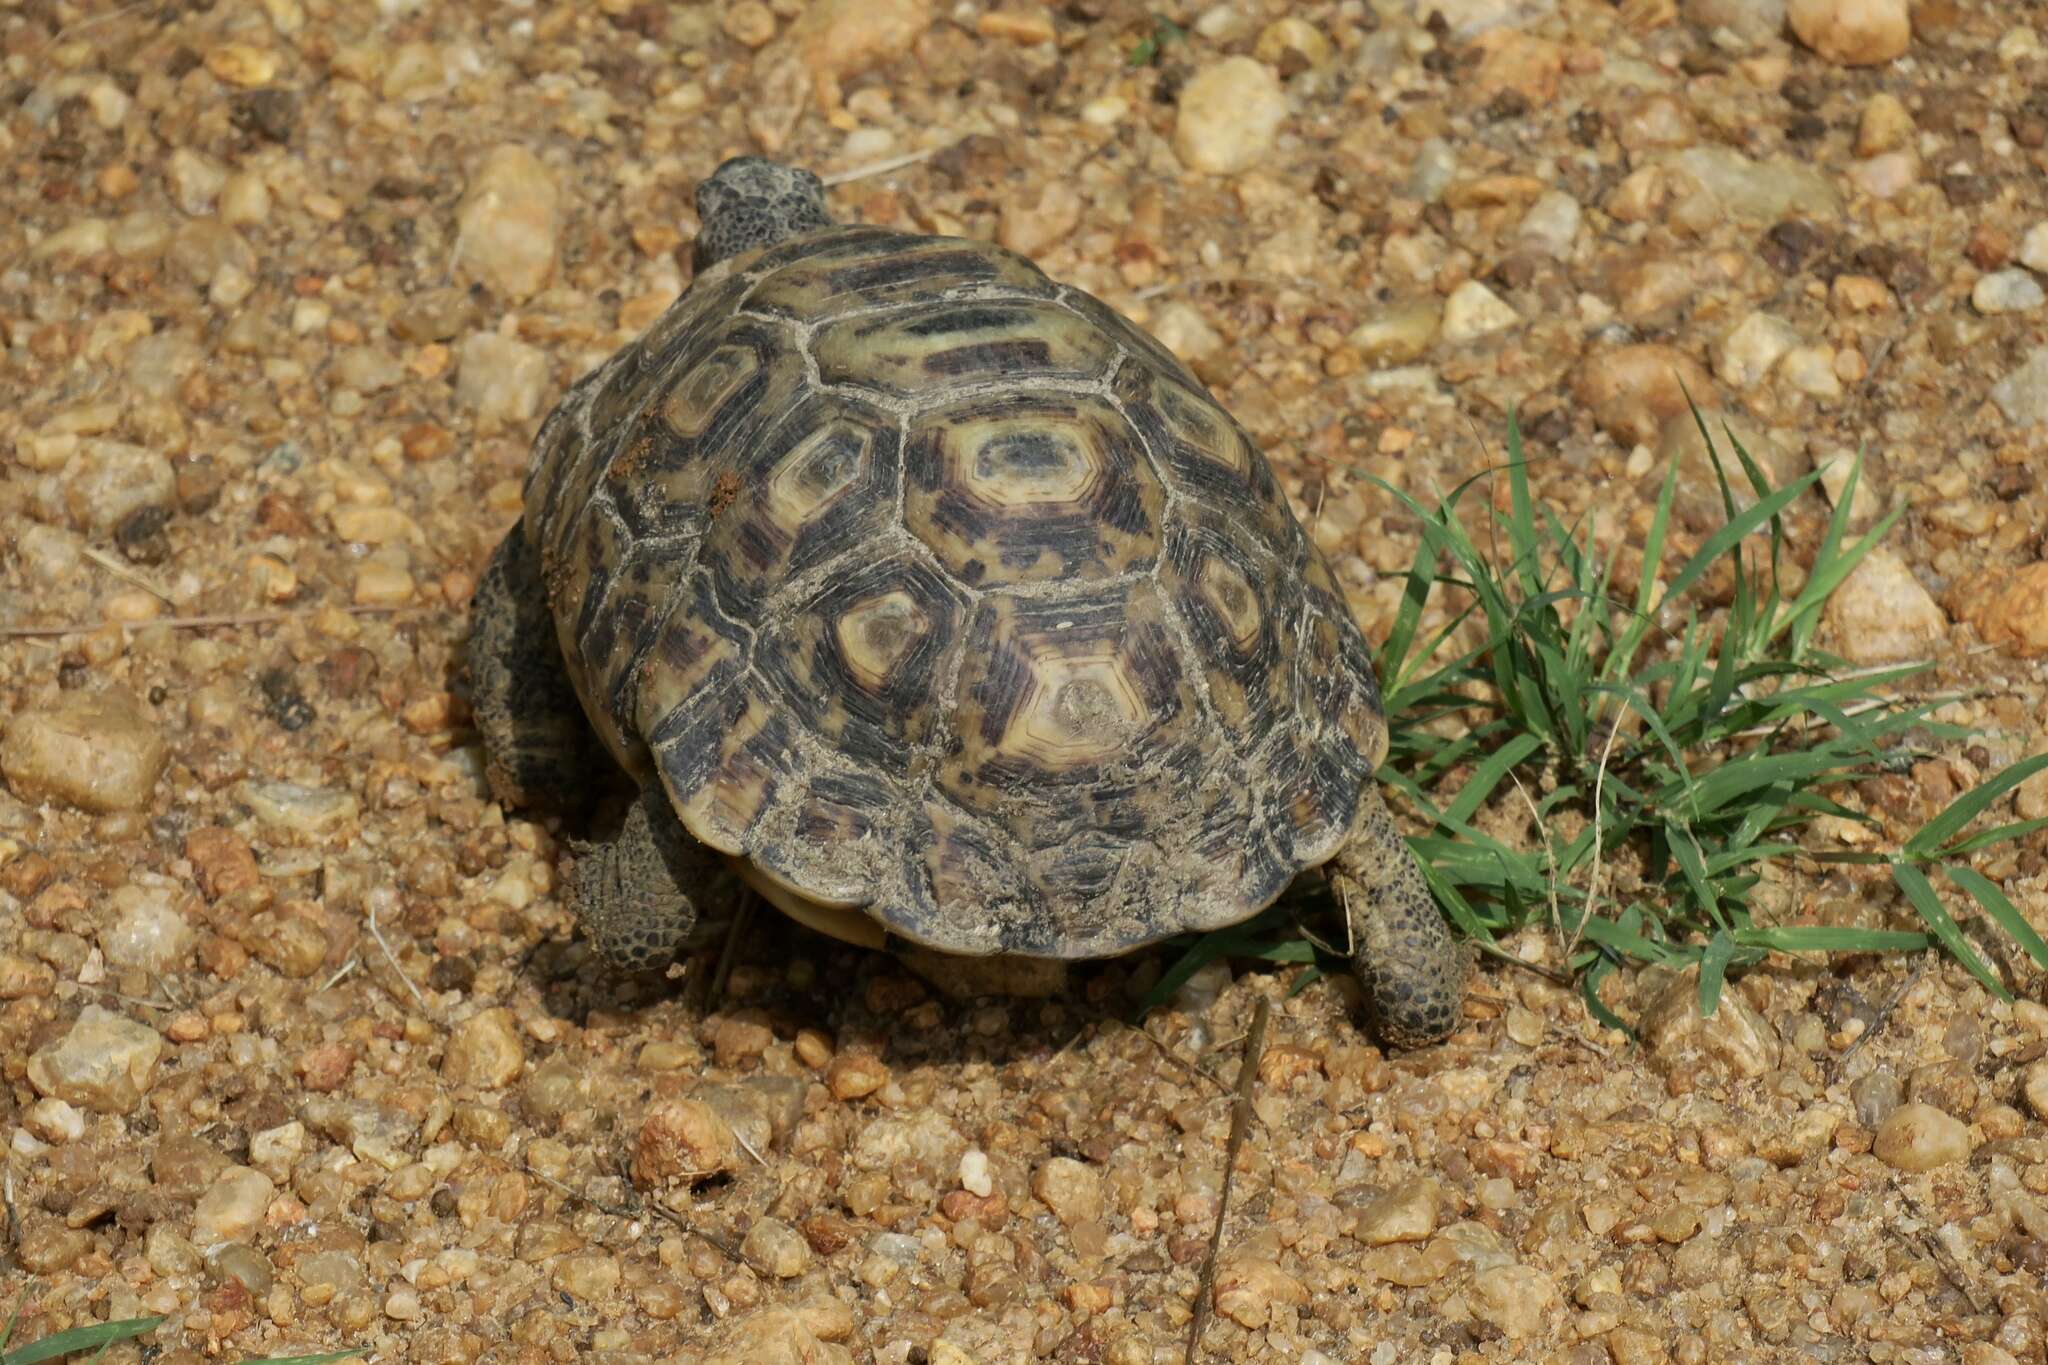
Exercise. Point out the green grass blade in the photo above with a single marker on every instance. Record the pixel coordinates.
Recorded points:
(77, 1339)
(1488, 775)
(328, 1357)
(2018, 829)
(1985, 892)
(1622, 661)
(1714, 961)
(1685, 852)
(1928, 839)
(1828, 938)
(1920, 892)
(1732, 533)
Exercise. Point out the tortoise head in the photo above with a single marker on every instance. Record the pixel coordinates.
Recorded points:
(752, 202)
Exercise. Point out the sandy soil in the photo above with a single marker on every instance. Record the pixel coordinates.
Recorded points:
(299, 1048)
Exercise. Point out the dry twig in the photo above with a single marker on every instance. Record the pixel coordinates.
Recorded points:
(1240, 1124)
(1884, 1014)
(882, 167)
(715, 1242)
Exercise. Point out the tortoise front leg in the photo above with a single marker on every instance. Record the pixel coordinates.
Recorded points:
(1412, 970)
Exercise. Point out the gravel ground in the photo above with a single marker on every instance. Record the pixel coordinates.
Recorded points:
(298, 1047)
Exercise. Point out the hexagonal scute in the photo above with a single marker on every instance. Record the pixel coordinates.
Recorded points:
(927, 348)
(863, 662)
(1072, 715)
(1202, 452)
(1239, 610)
(871, 267)
(816, 484)
(1029, 488)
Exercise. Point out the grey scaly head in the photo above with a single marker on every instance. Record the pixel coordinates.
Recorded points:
(752, 202)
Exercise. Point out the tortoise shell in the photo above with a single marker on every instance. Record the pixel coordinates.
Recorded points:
(931, 589)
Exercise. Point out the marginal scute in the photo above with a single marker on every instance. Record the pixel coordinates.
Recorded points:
(870, 270)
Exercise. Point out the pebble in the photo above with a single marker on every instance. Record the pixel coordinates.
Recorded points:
(749, 23)
(106, 1063)
(1758, 191)
(2034, 1084)
(98, 751)
(416, 71)
(1881, 613)
(2033, 252)
(1247, 1287)
(245, 200)
(195, 180)
(148, 933)
(1852, 32)
(243, 65)
(1473, 311)
(485, 1051)
(779, 1247)
(1736, 1041)
(776, 1336)
(1516, 1299)
(855, 1075)
(1634, 390)
(1398, 333)
(1885, 125)
(316, 811)
(1919, 1137)
(2009, 609)
(1513, 60)
(1406, 1213)
(2006, 291)
(232, 1208)
(55, 1121)
(1887, 175)
(1026, 27)
(1811, 370)
(507, 226)
(1753, 22)
(1876, 1094)
(500, 379)
(589, 1276)
(1751, 348)
(974, 1173)
(378, 584)
(1030, 229)
(112, 480)
(1551, 226)
(836, 40)
(1070, 1188)
(1230, 114)
(683, 1140)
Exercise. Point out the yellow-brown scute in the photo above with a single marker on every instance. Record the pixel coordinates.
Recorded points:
(927, 585)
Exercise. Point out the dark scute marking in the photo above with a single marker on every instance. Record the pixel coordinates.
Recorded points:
(967, 317)
(964, 267)
(1025, 453)
(1024, 353)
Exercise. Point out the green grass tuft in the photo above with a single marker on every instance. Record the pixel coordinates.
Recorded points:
(1632, 732)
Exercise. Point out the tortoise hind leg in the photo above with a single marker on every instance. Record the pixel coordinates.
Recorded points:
(635, 893)
(1412, 970)
(538, 748)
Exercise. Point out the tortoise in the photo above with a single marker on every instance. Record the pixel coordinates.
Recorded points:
(945, 606)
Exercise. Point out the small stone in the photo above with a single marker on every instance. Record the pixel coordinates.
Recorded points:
(243, 65)
(1071, 1189)
(1551, 226)
(1024, 27)
(683, 1140)
(1247, 1287)
(113, 480)
(1881, 613)
(1876, 1093)
(1735, 1041)
(1398, 333)
(1511, 60)
(1758, 191)
(315, 811)
(1852, 32)
(1811, 370)
(589, 1276)
(149, 933)
(1473, 311)
(1885, 125)
(774, 1336)
(507, 226)
(1751, 22)
(749, 23)
(1514, 1298)
(98, 751)
(1030, 229)
(974, 1173)
(1919, 1137)
(245, 200)
(486, 1051)
(1751, 348)
(500, 379)
(2033, 253)
(2006, 291)
(1406, 1213)
(1634, 390)
(1886, 175)
(855, 1075)
(1181, 328)
(195, 180)
(416, 71)
(2009, 609)
(778, 1246)
(231, 1210)
(2034, 1084)
(1230, 113)
(2023, 394)
(55, 1121)
(378, 584)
